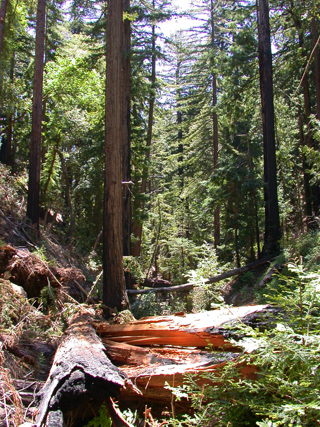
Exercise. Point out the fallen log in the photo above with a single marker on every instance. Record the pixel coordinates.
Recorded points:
(157, 283)
(185, 330)
(275, 269)
(178, 288)
(153, 381)
(210, 280)
(80, 380)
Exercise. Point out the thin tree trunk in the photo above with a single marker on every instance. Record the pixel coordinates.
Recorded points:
(114, 289)
(10, 151)
(3, 11)
(137, 228)
(215, 133)
(126, 145)
(314, 189)
(314, 26)
(179, 123)
(272, 221)
(306, 178)
(35, 143)
(236, 244)
(254, 193)
(68, 199)
(51, 168)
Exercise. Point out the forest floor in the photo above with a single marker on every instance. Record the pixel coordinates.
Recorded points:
(44, 283)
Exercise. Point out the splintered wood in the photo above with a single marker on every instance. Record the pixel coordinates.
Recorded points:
(157, 351)
(144, 357)
(186, 330)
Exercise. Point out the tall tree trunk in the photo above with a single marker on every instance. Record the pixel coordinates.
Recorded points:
(137, 228)
(306, 178)
(314, 26)
(255, 198)
(10, 151)
(272, 221)
(3, 11)
(126, 146)
(235, 206)
(35, 143)
(215, 132)
(314, 189)
(179, 123)
(67, 194)
(114, 289)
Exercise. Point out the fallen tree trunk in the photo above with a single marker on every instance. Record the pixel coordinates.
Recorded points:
(210, 280)
(82, 377)
(178, 288)
(185, 330)
(153, 381)
(269, 275)
(80, 380)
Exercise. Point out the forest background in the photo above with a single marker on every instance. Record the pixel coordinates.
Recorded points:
(195, 162)
(193, 183)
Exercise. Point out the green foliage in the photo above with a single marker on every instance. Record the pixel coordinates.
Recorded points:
(205, 296)
(147, 305)
(285, 391)
(132, 266)
(101, 420)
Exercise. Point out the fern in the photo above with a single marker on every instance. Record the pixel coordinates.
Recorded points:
(101, 420)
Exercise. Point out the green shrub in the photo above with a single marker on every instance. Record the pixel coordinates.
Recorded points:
(101, 420)
(287, 387)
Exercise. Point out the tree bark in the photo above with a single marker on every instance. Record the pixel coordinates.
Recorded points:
(114, 289)
(81, 372)
(3, 11)
(314, 26)
(126, 145)
(306, 177)
(35, 143)
(314, 189)
(272, 221)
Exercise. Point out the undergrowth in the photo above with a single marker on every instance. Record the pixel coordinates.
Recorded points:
(286, 388)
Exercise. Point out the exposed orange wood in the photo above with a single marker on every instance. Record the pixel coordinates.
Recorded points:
(190, 330)
(122, 353)
(152, 381)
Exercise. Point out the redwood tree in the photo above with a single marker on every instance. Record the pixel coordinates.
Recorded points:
(114, 290)
(35, 143)
(272, 221)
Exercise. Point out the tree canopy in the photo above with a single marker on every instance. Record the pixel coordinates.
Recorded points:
(195, 159)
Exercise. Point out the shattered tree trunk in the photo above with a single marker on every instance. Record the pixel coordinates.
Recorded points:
(139, 348)
(80, 380)
(184, 330)
(150, 353)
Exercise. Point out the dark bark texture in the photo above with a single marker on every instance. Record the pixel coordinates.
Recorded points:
(3, 11)
(272, 221)
(80, 380)
(114, 290)
(35, 143)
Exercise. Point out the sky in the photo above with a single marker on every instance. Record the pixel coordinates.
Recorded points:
(176, 24)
